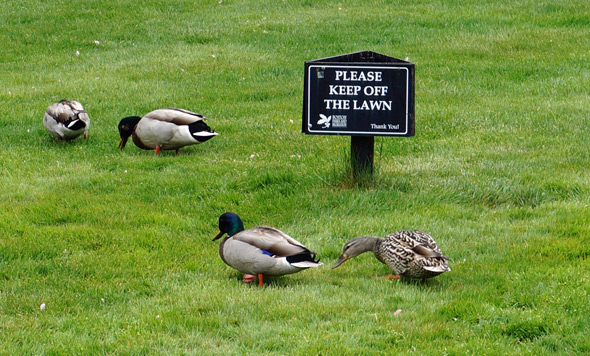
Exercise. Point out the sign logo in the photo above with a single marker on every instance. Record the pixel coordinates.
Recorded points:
(324, 121)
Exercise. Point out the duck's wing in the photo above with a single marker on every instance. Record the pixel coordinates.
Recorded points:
(411, 239)
(272, 240)
(83, 115)
(427, 252)
(175, 116)
(66, 111)
(422, 238)
(417, 241)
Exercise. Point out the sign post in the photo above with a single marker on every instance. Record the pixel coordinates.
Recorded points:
(362, 151)
(361, 94)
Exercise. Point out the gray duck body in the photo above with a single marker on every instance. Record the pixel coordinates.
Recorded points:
(266, 250)
(261, 250)
(66, 120)
(165, 129)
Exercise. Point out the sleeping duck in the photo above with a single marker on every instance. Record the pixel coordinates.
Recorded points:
(412, 254)
(66, 120)
(261, 250)
(165, 129)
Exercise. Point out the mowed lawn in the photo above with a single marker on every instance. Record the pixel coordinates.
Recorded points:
(116, 246)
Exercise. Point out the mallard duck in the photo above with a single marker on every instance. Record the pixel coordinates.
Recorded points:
(412, 254)
(166, 129)
(66, 120)
(261, 250)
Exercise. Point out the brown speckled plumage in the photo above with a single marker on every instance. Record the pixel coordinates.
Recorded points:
(412, 254)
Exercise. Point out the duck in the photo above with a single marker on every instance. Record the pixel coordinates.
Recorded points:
(165, 129)
(412, 254)
(261, 250)
(66, 120)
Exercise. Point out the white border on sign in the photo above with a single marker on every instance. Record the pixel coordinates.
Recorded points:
(325, 132)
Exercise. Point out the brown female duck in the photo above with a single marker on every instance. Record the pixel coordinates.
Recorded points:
(412, 254)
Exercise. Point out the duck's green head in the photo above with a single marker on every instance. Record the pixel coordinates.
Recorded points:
(126, 128)
(229, 223)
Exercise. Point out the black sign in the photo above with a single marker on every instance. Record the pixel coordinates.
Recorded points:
(359, 94)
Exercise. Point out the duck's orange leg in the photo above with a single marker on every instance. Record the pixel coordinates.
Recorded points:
(393, 276)
(260, 279)
(157, 149)
(249, 278)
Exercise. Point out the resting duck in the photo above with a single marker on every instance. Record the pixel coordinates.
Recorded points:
(261, 250)
(166, 129)
(411, 254)
(66, 120)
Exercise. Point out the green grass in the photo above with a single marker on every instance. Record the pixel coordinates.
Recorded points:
(117, 244)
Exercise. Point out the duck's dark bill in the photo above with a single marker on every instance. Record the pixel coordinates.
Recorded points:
(339, 262)
(122, 143)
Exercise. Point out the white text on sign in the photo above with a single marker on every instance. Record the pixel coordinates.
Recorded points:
(357, 90)
(355, 76)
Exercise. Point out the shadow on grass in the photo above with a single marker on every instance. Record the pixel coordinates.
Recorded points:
(277, 282)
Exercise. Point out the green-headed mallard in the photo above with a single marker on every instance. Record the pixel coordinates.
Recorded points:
(412, 254)
(66, 120)
(261, 250)
(166, 129)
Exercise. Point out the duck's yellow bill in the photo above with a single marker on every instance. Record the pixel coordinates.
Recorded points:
(218, 235)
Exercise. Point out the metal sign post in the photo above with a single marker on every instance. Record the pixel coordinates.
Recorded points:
(362, 94)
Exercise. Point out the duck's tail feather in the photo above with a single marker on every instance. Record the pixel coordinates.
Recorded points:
(304, 260)
(439, 269)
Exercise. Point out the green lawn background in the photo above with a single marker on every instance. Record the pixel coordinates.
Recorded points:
(117, 244)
